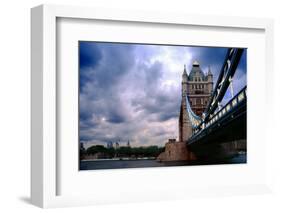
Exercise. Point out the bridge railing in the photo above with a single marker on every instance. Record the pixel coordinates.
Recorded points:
(233, 103)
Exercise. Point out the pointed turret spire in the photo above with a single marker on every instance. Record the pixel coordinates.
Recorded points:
(184, 75)
(184, 70)
(184, 81)
(209, 71)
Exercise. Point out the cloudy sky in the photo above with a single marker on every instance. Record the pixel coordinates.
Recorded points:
(133, 91)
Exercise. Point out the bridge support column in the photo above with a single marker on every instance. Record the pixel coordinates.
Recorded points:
(185, 128)
(176, 151)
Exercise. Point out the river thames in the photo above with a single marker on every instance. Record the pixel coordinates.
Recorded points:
(123, 164)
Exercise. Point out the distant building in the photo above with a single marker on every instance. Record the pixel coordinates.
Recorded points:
(109, 144)
(197, 87)
(116, 145)
(128, 144)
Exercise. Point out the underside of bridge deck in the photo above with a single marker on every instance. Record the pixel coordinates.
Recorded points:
(232, 127)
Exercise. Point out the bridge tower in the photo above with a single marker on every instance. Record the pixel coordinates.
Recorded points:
(200, 87)
(185, 128)
(197, 87)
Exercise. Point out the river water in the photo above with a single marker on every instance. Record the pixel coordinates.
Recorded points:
(118, 164)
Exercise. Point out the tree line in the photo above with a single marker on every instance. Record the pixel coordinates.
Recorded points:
(122, 151)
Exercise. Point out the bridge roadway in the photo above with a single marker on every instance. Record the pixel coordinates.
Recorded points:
(226, 125)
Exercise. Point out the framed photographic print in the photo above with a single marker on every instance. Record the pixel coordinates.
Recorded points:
(151, 106)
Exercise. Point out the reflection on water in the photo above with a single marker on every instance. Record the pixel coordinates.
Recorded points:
(118, 164)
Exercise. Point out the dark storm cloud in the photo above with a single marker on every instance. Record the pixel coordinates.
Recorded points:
(89, 54)
(102, 64)
(133, 92)
(165, 106)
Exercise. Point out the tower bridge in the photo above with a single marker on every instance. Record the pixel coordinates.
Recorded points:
(205, 126)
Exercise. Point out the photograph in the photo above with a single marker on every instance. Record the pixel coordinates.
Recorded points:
(159, 105)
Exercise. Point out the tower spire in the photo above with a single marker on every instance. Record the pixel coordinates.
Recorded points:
(209, 70)
(184, 81)
(184, 70)
(184, 75)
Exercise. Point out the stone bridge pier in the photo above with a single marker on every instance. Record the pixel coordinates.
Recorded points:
(176, 151)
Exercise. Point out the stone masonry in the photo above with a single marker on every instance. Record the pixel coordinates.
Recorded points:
(176, 151)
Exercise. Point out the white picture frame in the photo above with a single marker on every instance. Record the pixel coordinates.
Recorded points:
(44, 150)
